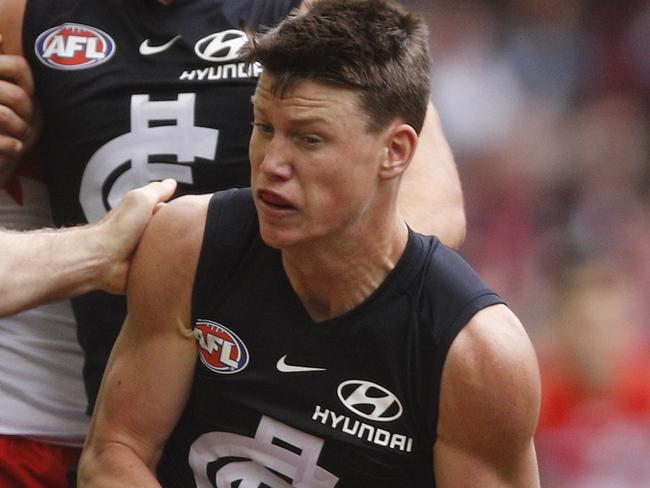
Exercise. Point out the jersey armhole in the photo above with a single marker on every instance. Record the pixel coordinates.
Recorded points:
(476, 304)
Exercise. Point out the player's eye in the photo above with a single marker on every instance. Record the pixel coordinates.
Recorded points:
(311, 140)
(263, 128)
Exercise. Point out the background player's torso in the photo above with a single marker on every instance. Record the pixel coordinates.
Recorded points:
(132, 91)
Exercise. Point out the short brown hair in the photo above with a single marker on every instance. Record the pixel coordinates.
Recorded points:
(374, 47)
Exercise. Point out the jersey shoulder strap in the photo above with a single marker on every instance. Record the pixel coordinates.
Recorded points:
(231, 229)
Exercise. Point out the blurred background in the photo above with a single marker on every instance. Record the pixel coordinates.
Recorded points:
(546, 105)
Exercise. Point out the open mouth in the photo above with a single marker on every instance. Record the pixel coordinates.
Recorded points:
(274, 200)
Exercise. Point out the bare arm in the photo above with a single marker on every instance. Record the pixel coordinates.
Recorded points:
(430, 197)
(152, 363)
(11, 25)
(490, 399)
(48, 265)
(18, 126)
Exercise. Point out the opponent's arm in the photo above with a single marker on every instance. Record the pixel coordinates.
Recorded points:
(430, 197)
(18, 126)
(489, 406)
(149, 374)
(47, 265)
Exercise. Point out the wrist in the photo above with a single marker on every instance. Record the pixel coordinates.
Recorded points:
(96, 259)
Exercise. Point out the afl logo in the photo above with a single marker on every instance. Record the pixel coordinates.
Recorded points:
(74, 46)
(369, 400)
(220, 349)
(221, 46)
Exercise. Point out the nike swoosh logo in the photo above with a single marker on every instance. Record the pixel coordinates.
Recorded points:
(148, 50)
(283, 367)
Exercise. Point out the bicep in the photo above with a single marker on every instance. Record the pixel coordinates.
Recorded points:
(489, 406)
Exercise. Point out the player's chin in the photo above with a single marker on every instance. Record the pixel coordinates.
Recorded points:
(277, 237)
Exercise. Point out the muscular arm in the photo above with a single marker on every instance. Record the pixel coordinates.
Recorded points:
(430, 197)
(149, 374)
(490, 398)
(48, 265)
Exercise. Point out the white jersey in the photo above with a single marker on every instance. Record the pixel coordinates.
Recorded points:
(41, 387)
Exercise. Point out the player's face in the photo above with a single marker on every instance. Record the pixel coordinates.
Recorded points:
(314, 164)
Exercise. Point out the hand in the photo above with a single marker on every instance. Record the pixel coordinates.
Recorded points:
(18, 128)
(120, 230)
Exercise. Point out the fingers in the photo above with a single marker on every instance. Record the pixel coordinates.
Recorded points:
(158, 191)
(14, 130)
(14, 97)
(12, 124)
(15, 68)
(10, 147)
(122, 228)
(141, 202)
(151, 197)
(16, 105)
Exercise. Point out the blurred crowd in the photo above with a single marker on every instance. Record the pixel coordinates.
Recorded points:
(546, 104)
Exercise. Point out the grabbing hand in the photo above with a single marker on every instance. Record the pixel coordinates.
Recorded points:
(120, 230)
(17, 121)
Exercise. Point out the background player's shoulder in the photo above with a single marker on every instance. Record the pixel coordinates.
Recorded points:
(257, 13)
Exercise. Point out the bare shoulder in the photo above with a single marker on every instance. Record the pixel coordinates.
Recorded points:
(179, 222)
(170, 246)
(11, 25)
(490, 393)
(182, 213)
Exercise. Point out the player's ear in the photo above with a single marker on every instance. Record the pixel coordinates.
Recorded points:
(401, 141)
(304, 6)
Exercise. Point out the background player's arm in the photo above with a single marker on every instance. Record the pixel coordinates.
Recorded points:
(430, 197)
(149, 374)
(18, 129)
(46, 265)
(489, 406)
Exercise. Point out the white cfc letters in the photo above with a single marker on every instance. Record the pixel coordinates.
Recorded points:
(132, 151)
(252, 459)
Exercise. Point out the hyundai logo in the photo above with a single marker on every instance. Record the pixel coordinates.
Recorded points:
(369, 400)
(221, 46)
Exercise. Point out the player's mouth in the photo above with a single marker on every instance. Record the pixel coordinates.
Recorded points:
(274, 201)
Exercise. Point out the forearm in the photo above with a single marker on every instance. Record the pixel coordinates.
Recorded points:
(114, 466)
(47, 265)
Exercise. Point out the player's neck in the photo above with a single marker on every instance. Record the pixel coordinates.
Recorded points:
(332, 278)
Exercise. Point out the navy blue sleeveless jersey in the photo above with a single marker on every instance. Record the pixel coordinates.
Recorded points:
(131, 92)
(279, 400)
